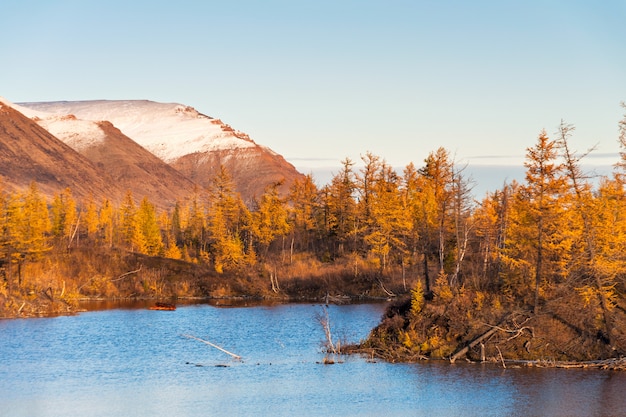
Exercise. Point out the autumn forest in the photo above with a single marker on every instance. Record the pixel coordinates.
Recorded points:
(544, 260)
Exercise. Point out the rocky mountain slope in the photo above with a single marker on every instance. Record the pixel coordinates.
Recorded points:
(30, 153)
(129, 165)
(191, 142)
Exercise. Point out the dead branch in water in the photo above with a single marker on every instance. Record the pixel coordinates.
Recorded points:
(324, 320)
(188, 336)
(501, 357)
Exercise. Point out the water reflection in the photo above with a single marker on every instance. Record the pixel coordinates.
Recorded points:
(568, 392)
(132, 361)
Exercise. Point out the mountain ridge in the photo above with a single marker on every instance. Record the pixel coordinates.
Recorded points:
(191, 142)
(29, 153)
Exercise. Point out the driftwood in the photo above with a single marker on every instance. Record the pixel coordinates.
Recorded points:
(389, 293)
(127, 274)
(274, 281)
(473, 343)
(188, 336)
(516, 332)
(493, 329)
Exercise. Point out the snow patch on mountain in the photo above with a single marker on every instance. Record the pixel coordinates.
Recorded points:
(169, 130)
(78, 134)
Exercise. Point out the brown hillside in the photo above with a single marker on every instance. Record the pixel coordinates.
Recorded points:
(30, 153)
(134, 168)
(252, 169)
(191, 142)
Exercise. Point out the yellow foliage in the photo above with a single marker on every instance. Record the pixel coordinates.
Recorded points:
(173, 252)
(587, 294)
(406, 339)
(417, 298)
(590, 294)
(434, 341)
(442, 288)
(479, 298)
(610, 296)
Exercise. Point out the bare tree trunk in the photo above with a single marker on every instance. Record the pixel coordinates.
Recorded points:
(403, 275)
(74, 233)
(538, 265)
(426, 274)
(324, 319)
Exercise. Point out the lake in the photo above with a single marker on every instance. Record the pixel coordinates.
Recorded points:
(131, 361)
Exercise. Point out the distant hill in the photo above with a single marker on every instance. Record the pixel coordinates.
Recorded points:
(191, 142)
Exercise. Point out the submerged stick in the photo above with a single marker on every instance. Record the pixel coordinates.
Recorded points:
(501, 357)
(188, 336)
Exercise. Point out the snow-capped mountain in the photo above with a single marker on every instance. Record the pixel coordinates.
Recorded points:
(191, 142)
(29, 153)
(128, 165)
(168, 130)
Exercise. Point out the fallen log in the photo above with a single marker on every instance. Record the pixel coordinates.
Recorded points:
(473, 343)
(188, 336)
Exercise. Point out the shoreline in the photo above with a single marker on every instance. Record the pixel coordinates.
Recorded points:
(610, 364)
(43, 308)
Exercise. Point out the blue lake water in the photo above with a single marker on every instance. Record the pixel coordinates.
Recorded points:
(136, 362)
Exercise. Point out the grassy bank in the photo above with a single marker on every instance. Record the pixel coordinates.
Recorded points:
(56, 282)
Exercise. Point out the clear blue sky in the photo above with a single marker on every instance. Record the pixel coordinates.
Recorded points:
(318, 81)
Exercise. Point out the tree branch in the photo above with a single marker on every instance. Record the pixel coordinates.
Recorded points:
(127, 273)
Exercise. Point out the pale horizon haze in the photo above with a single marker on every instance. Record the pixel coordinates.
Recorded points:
(318, 82)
